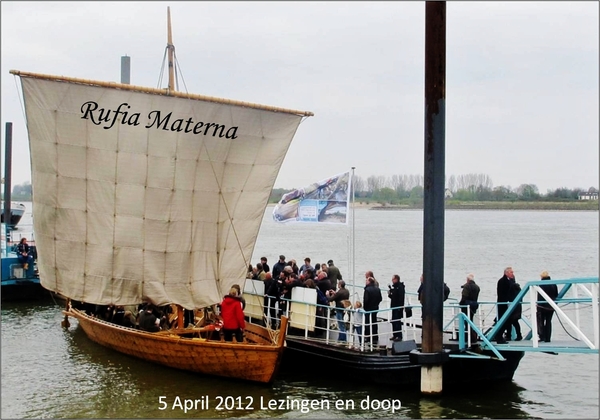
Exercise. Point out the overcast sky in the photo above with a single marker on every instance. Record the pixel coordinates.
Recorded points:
(521, 82)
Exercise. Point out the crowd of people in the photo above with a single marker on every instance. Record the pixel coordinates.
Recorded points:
(328, 281)
(145, 316)
(228, 315)
(331, 290)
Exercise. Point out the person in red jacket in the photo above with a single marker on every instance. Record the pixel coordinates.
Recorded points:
(233, 317)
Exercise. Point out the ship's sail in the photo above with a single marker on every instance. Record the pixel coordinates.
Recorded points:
(141, 195)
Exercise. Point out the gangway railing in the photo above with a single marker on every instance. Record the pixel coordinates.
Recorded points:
(577, 293)
(589, 286)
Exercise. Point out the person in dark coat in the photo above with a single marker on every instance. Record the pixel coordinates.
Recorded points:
(515, 289)
(396, 294)
(289, 281)
(503, 297)
(295, 268)
(333, 273)
(272, 293)
(263, 261)
(421, 291)
(24, 254)
(544, 310)
(323, 283)
(469, 296)
(148, 321)
(338, 297)
(371, 300)
(278, 267)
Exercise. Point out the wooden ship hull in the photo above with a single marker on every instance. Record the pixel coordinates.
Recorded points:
(192, 349)
(391, 369)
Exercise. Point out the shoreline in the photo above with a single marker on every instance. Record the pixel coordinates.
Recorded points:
(475, 205)
(497, 205)
(485, 205)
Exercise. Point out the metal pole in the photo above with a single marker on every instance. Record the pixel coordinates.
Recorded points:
(433, 201)
(7, 176)
(125, 69)
(353, 233)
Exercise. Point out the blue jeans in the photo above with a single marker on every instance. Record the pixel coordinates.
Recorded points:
(25, 259)
(358, 331)
(339, 315)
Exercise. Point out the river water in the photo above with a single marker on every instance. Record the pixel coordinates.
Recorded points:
(49, 372)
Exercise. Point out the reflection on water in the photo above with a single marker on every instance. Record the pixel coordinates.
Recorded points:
(48, 372)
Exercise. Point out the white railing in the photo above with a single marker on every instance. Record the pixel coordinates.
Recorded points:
(319, 322)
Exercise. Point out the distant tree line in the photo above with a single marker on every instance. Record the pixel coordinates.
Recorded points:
(21, 192)
(399, 189)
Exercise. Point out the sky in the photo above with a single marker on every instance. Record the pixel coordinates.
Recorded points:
(521, 78)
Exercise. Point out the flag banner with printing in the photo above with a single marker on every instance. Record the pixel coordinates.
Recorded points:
(326, 201)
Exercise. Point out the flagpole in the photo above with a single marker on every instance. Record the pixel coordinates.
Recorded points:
(353, 238)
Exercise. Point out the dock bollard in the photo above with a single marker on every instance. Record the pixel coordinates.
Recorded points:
(431, 369)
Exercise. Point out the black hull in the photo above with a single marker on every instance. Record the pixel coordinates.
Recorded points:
(15, 217)
(310, 358)
(24, 289)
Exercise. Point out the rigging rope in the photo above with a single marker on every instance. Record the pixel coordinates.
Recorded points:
(20, 101)
(162, 69)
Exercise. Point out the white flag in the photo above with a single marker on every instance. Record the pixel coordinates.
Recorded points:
(326, 201)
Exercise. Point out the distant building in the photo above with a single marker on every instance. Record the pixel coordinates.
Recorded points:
(591, 194)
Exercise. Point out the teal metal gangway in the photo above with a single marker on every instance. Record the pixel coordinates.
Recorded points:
(580, 295)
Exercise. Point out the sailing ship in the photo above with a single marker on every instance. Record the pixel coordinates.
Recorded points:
(154, 195)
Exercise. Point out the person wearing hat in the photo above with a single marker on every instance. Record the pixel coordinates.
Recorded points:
(279, 266)
(544, 310)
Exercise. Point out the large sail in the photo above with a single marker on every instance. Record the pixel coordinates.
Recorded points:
(139, 195)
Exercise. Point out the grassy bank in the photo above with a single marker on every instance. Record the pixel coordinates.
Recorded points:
(580, 205)
(499, 205)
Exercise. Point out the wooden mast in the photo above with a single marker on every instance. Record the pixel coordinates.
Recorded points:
(170, 89)
(171, 53)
